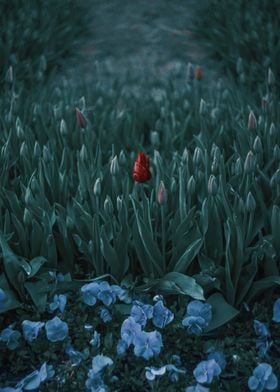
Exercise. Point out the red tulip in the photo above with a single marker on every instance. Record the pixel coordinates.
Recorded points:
(141, 168)
(81, 119)
(198, 72)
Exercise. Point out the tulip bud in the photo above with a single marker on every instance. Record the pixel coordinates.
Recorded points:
(57, 111)
(257, 146)
(241, 206)
(238, 167)
(122, 158)
(162, 194)
(190, 72)
(275, 180)
(202, 107)
(276, 152)
(215, 166)
(252, 122)
(9, 77)
(272, 130)
(27, 218)
(173, 186)
(185, 155)
(270, 77)
(191, 186)
(108, 206)
(239, 66)
(23, 150)
(46, 154)
(249, 165)
(212, 185)
(83, 153)
(264, 103)
(37, 150)
(250, 203)
(28, 197)
(20, 133)
(198, 72)
(197, 157)
(119, 203)
(81, 119)
(97, 187)
(154, 138)
(63, 128)
(114, 167)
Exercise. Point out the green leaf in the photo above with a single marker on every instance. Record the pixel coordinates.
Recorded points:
(222, 311)
(36, 264)
(188, 256)
(261, 285)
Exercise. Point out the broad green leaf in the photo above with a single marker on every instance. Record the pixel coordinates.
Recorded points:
(261, 285)
(188, 256)
(222, 311)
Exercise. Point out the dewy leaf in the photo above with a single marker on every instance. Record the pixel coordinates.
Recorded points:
(221, 310)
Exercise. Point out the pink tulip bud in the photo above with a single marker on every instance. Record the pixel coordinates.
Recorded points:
(162, 194)
(81, 119)
(252, 122)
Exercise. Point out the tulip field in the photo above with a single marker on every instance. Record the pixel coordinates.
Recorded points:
(139, 227)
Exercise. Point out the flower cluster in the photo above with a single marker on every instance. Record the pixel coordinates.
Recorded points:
(198, 316)
(103, 292)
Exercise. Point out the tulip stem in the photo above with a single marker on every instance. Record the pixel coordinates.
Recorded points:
(163, 236)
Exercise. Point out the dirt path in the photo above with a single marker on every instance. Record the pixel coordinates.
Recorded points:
(140, 37)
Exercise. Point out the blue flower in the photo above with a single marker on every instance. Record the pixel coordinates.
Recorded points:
(76, 357)
(276, 311)
(219, 358)
(129, 330)
(89, 293)
(121, 347)
(206, 371)
(141, 312)
(59, 302)
(3, 299)
(31, 329)
(152, 372)
(262, 378)
(34, 379)
(147, 344)
(99, 362)
(10, 337)
(198, 317)
(105, 315)
(261, 329)
(56, 329)
(176, 359)
(173, 372)
(197, 388)
(95, 341)
(161, 315)
(10, 389)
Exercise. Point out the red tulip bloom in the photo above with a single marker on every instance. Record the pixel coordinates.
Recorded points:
(81, 119)
(141, 168)
(198, 72)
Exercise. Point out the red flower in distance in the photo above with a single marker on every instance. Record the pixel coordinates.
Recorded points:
(81, 119)
(141, 168)
(198, 72)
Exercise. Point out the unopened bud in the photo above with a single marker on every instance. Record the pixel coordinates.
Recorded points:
(27, 218)
(239, 66)
(238, 167)
(270, 77)
(97, 187)
(257, 146)
(190, 72)
(28, 197)
(173, 186)
(202, 107)
(212, 185)
(240, 206)
(119, 203)
(114, 167)
(9, 77)
(252, 122)
(81, 119)
(198, 72)
(272, 130)
(83, 153)
(275, 179)
(276, 152)
(108, 206)
(191, 186)
(37, 150)
(154, 138)
(249, 165)
(185, 155)
(162, 194)
(122, 158)
(46, 154)
(215, 166)
(63, 127)
(250, 203)
(23, 150)
(57, 111)
(197, 157)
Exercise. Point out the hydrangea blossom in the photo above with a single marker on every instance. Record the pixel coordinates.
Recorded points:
(10, 337)
(206, 371)
(56, 329)
(198, 317)
(276, 311)
(147, 344)
(31, 329)
(161, 315)
(59, 302)
(141, 312)
(263, 378)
